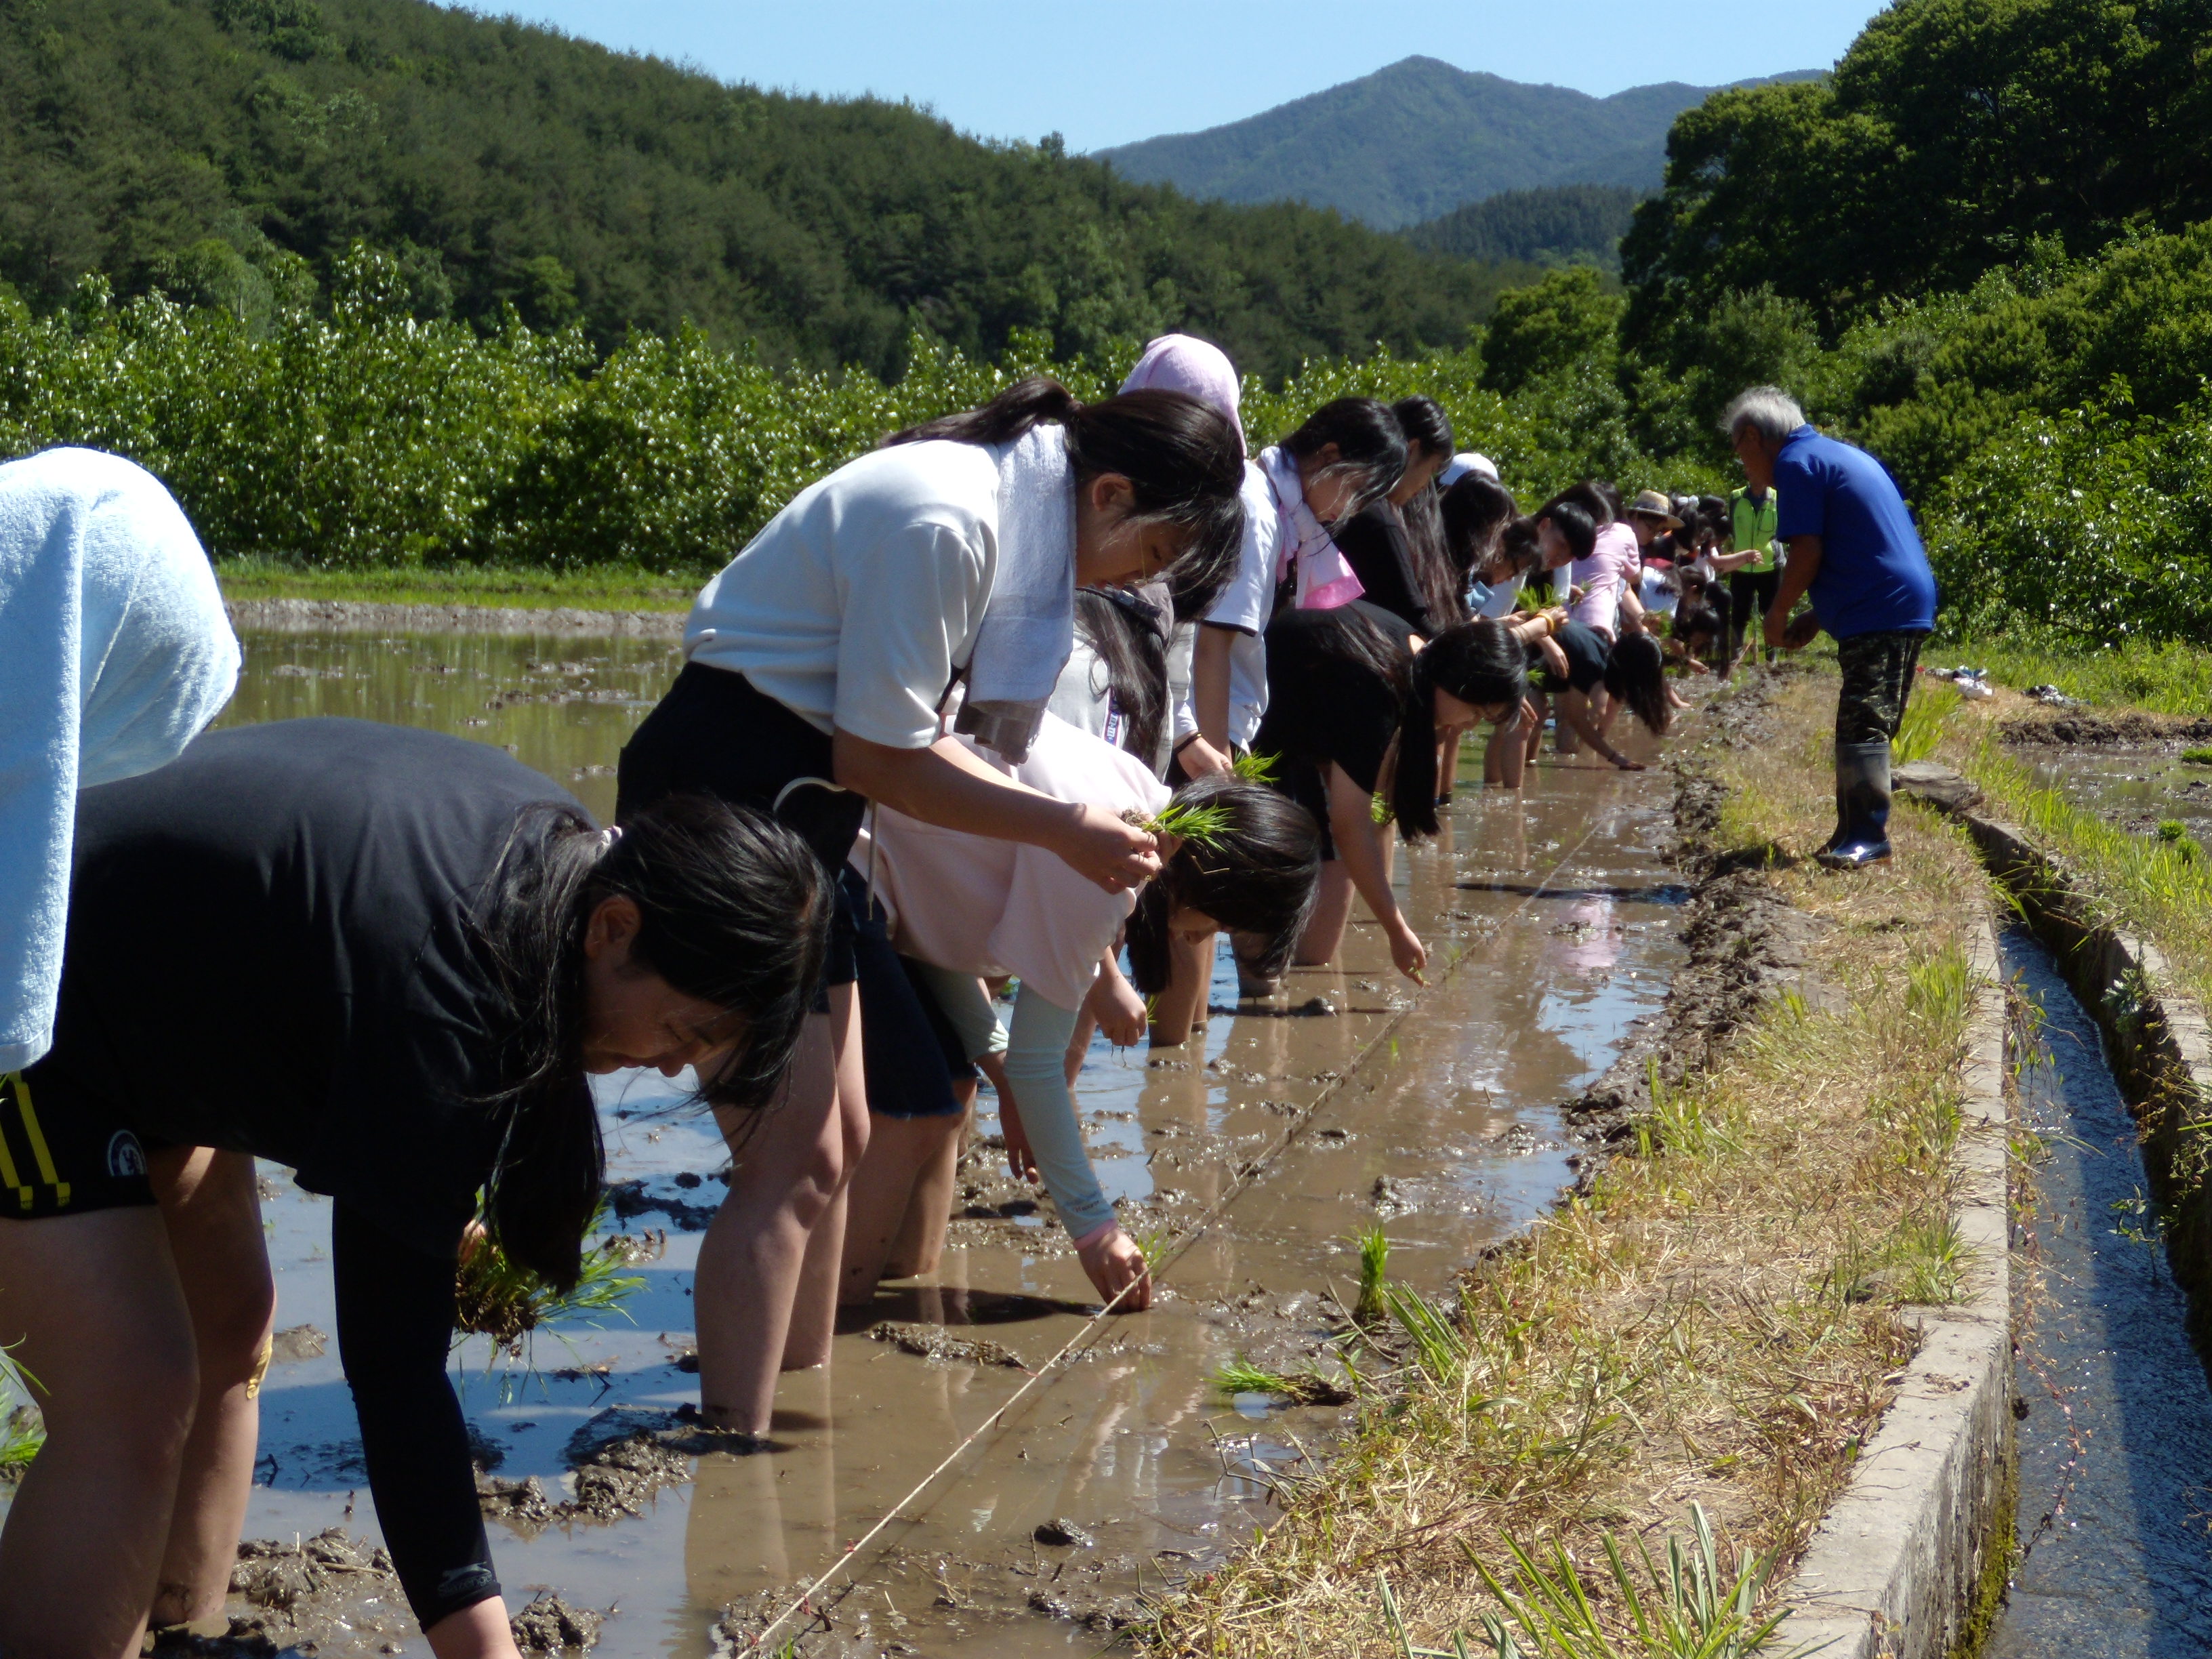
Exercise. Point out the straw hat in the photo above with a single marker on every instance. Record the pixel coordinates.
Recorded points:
(1651, 504)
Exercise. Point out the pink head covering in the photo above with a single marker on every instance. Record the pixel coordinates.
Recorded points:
(1179, 362)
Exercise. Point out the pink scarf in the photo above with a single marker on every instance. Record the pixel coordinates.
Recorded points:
(1324, 576)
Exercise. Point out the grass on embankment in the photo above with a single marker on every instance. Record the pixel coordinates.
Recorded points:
(1715, 1323)
(2168, 678)
(600, 589)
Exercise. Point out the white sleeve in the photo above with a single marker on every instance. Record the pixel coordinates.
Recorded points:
(909, 610)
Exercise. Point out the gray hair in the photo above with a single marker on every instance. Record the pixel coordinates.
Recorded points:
(1767, 409)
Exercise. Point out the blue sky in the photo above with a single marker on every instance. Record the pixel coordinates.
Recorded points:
(1108, 73)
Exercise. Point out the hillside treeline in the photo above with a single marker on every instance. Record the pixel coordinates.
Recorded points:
(1558, 225)
(230, 151)
(2040, 391)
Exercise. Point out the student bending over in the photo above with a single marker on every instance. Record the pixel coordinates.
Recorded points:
(1354, 702)
(967, 907)
(386, 959)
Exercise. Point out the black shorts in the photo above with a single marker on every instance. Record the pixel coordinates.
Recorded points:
(61, 1155)
(715, 734)
(909, 1050)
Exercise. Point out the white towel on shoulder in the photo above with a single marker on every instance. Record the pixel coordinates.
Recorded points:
(1028, 622)
(114, 651)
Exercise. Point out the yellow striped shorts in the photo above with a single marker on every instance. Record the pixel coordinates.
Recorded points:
(54, 1162)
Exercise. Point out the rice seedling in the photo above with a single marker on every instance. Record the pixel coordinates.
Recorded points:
(1306, 1388)
(2201, 757)
(23, 1429)
(1262, 769)
(1381, 812)
(1374, 1247)
(498, 1297)
(1153, 1243)
(1203, 827)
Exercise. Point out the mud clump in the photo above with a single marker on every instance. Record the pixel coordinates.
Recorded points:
(626, 1454)
(932, 1342)
(283, 1577)
(330, 1589)
(1745, 943)
(549, 1624)
(522, 1504)
(2133, 729)
(1063, 1533)
(301, 1342)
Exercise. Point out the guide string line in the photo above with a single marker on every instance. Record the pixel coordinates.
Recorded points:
(1243, 1177)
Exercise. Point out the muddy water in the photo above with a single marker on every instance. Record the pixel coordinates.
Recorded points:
(2137, 788)
(2116, 1450)
(1559, 905)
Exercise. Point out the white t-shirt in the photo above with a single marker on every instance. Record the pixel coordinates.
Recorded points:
(1243, 608)
(856, 604)
(980, 906)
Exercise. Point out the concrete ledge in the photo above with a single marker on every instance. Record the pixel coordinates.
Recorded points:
(1899, 1564)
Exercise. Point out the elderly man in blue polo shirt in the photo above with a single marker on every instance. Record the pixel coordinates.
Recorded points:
(1854, 549)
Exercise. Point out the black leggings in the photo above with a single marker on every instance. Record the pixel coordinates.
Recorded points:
(1751, 595)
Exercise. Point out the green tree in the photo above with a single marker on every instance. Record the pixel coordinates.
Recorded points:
(1954, 135)
(1566, 323)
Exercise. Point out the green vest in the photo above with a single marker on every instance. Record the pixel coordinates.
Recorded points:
(1754, 525)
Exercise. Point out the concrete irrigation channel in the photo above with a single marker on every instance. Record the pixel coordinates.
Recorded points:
(1436, 1114)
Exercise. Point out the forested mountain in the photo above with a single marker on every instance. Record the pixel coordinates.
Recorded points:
(1563, 224)
(229, 150)
(1418, 139)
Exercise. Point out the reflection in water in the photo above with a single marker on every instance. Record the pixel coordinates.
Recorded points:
(1448, 1137)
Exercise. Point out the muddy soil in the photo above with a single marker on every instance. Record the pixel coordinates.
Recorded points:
(2126, 767)
(2082, 729)
(1444, 1115)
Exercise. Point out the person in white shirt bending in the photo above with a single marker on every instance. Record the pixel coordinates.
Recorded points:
(819, 659)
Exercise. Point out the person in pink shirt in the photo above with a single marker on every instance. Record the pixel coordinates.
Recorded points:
(961, 907)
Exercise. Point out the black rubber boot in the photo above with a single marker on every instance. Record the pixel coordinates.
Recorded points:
(1862, 788)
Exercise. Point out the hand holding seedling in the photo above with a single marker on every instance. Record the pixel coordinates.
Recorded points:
(1407, 953)
(1115, 1263)
(1109, 852)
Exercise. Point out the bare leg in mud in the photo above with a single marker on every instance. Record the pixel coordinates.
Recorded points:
(765, 1292)
(1332, 911)
(920, 1244)
(904, 1180)
(214, 1216)
(90, 1308)
(1182, 1004)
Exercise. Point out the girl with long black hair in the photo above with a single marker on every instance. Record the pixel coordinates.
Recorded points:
(1355, 699)
(1394, 546)
(819, 660)
(1345, 455)
(387, 959)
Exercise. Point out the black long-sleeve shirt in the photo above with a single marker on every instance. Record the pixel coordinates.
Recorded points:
(271, 951)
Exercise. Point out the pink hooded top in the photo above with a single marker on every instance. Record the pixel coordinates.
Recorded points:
(986, 907)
